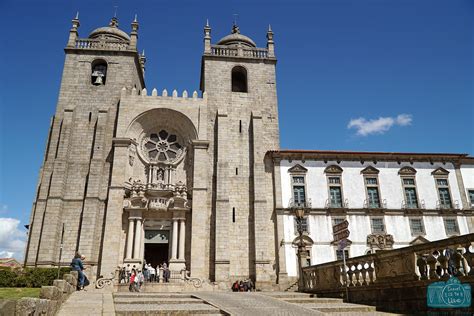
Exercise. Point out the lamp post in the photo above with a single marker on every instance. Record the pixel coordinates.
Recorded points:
(299, 214)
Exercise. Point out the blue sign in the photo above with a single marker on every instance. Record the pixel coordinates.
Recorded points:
(449, 294)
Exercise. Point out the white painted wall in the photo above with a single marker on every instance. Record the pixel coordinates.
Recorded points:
(467, 172)
(353, 189)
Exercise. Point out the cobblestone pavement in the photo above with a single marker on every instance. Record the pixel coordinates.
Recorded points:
(90, 302)
(247, 303)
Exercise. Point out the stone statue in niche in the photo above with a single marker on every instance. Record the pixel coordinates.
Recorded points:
(160, 174)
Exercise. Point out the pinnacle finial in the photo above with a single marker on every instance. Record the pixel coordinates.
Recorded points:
(77, 16)
(135, 20)
(207, 22)
(143, 53)
(115, 11)
(269, 28)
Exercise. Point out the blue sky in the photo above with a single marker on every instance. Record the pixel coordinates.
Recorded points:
(365, 75)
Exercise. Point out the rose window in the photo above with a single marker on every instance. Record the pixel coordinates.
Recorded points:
(162, 147)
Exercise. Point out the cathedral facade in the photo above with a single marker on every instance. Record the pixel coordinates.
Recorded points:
(197, 180)
(132, 174)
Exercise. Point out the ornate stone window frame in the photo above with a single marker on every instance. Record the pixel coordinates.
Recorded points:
(409, 173)
(298, 171)
(410, 219)
(442, 174)
(367, 173)
(454, 218)
(334, 171)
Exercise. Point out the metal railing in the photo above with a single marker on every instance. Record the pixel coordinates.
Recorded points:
(373, 205)
(440, 205)
(300, 204)
(417, 205)
(337, 204)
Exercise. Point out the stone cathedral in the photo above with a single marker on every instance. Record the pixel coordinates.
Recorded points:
(133, 174)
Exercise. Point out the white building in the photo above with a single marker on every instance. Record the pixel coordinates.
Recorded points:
(390, 200)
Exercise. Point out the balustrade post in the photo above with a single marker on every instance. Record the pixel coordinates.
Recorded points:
(431, 261)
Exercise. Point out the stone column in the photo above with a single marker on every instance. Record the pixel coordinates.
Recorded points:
(131, 226)
(136, 247)
(142, 242)
(174, 241)
(182, 231)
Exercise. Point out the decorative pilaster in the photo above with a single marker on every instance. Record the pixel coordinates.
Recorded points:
(131, 225)
(182, 232)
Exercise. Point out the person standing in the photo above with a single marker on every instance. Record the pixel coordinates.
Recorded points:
(132, 286)
(77, 265)
(128, 270)
(166, 273)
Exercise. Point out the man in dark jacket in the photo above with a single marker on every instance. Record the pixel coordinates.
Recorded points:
(76, 265)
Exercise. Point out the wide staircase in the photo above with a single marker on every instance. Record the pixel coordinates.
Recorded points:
(330, 306)
(162, 304)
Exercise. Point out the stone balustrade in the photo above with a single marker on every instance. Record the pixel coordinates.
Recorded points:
(239, 51)
(98, 44)
(368, 277)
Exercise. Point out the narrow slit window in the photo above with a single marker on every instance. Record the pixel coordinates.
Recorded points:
(240, 126)
(233, 215)
(236, 171)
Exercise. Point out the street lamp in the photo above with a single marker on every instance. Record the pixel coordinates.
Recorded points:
(299, 214)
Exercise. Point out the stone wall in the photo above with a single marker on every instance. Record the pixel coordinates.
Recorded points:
(50, 300)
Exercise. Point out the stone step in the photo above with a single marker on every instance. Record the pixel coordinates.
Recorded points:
(165, 309)
(341, 307)
(309, 300)
(150, 295)
(284, 295)
(154, 300)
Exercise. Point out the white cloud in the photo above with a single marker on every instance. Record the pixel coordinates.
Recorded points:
(380, 125)
(12, 238)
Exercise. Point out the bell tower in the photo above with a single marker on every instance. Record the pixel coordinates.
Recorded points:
(240, 83)
(72, 192)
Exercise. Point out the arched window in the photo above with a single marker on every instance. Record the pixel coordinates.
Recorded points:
(99, 72)
(239, 79)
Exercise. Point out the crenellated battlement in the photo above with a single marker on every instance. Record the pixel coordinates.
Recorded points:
(164, 94)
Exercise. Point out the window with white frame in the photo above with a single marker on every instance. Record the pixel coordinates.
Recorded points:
(442, 186)
(451, 226)
(304, 225)
(416, 226)
(443, 193)
(470, 193)
(372, 188)
(334, 180)
(299, 190)
(377, 225)
(409, 188)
